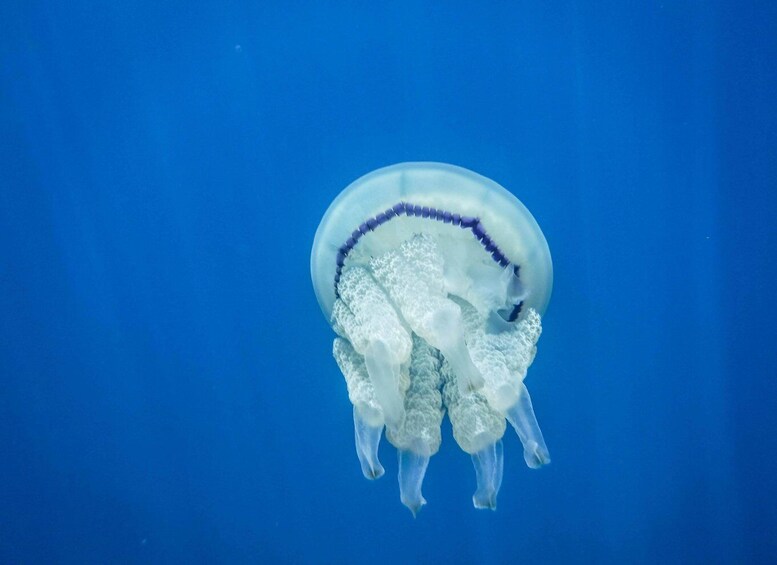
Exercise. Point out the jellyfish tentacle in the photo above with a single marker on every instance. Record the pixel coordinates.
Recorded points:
(504, 357)
(489, 464)
(367, 441)
(418, 437)
(412, 469)
(521, 417)
(477, 428)
(434, 279)
(475, 423)
(364, 313)
(367, 319)
(384, 375)
(501, 353)
(446, 335)
(413, 277)
(368, 415)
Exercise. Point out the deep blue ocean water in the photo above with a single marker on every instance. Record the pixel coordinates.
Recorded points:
(167, 391)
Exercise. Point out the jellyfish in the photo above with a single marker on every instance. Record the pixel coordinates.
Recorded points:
(434, 279)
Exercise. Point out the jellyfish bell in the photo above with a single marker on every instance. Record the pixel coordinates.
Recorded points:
(453, 194)
(435, 280)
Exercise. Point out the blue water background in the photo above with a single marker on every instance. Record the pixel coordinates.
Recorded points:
(167, 392)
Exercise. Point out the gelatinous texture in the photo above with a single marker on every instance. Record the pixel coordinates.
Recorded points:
(502, 357)
(434, 279)
(413, 276)
(364, 316)
(413, 348)
(420, 429)
(521, 417)
(489, 464)
(462, 194)
(412, 468)
(475, 423)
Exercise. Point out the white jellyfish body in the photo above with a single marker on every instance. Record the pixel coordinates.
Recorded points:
(434, 279)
